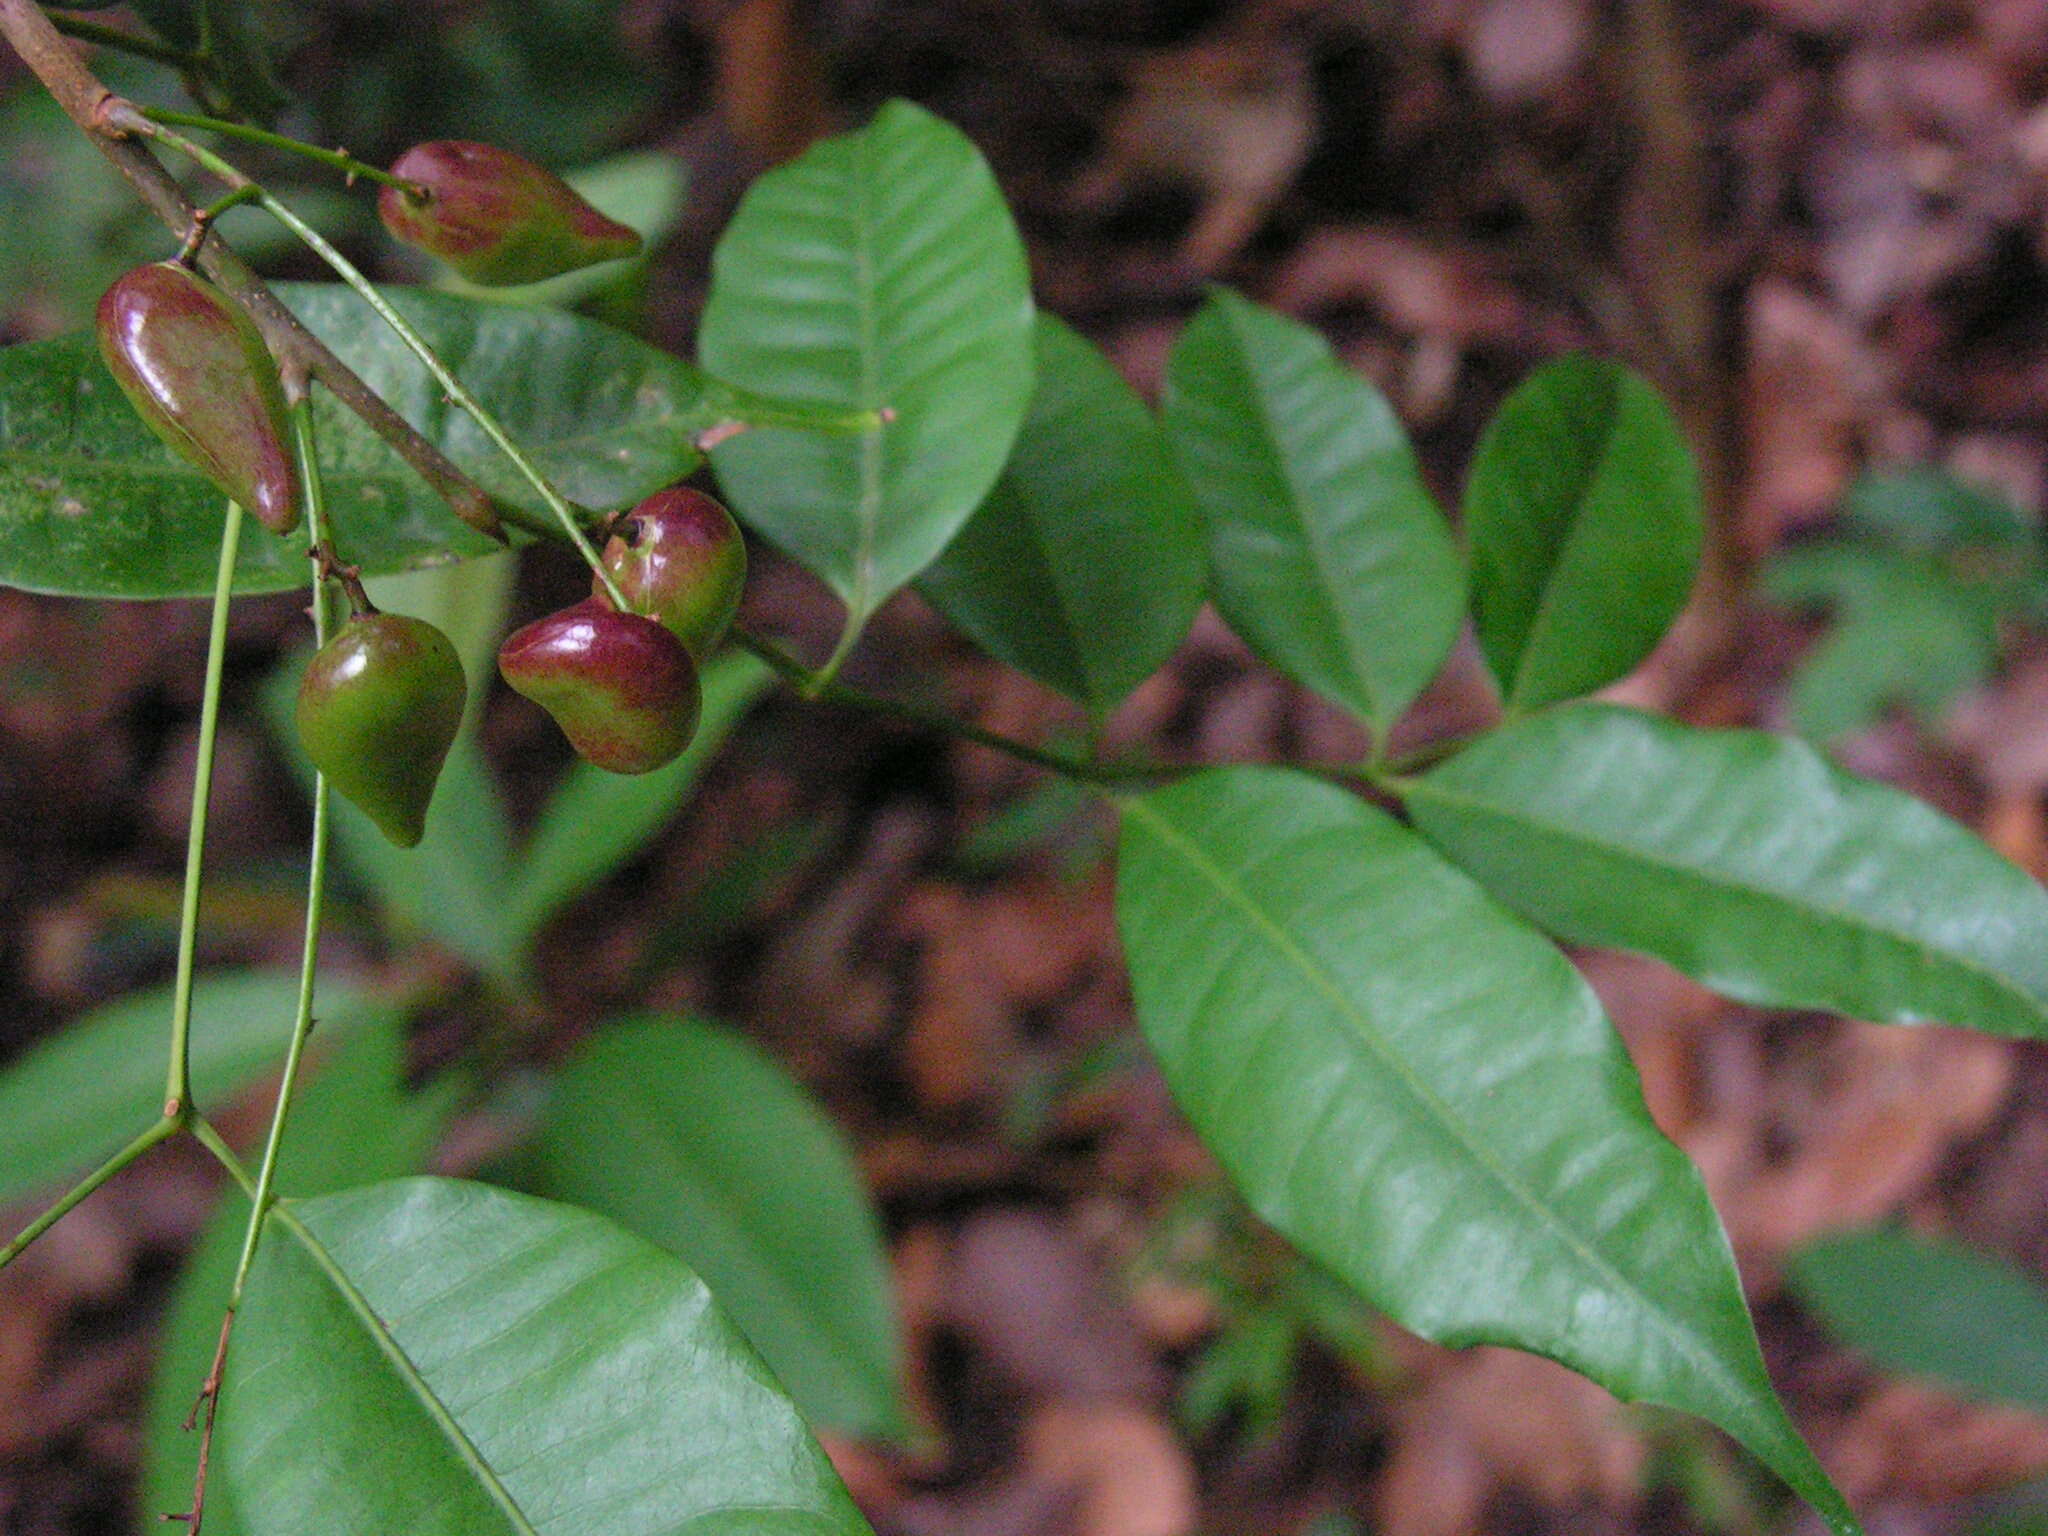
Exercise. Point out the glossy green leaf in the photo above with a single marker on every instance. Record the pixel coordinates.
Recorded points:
(79, 1097)
(352, 1123)
(92, 504)
(469, 1361)
(1326, 551)
(1747, 861)
(688, 1135)
(1086, 564)
(595, 821)
(879, 269)
(1931, 1308)
(1425, 1097)
(1582, 514)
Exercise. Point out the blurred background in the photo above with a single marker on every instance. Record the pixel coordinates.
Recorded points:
(1821, 226)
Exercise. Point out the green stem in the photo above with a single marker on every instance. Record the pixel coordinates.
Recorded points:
(454, 388)
(178, 1082)
(204, 1133)
(735, 409)
(167, 1126)
(102, 36)
(333, 159)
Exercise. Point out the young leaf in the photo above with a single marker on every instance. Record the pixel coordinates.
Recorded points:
(1425, 1097)
(1327, 553)
(1934, 1309)
(1085, 565)
(353, 1123)
(1747, 861)
(689, 1136)
(879, 269)
(1583, 518)
(455, 1360)
(77, 1098)
(92, 504)
(594, 821)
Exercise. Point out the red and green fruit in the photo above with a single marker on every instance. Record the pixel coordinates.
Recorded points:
(496, 217)
(621, 687)
(678, 558)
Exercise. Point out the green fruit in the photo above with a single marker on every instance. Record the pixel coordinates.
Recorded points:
(496, 217)
(678, 558)
(622, 688)
(378, 709)
(197, 371)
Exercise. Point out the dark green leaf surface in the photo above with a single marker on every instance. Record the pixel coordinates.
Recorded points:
(595, 821)
(1920, 507)
(353, 1123)
(1326, 552)
(92, 504)
(1935, 1309)
(1086, 564)
(566, 1378)
(689, 1136)
(1747, 861)
(80, 1097)
(1425, 1097)
(880, 268)
(1582, 514)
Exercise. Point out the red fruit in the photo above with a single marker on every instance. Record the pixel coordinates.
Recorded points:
(195, 369)
(678, 558)
(496, 217)
(622, 688)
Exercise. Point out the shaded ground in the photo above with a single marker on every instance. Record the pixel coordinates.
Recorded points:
(1820, 225)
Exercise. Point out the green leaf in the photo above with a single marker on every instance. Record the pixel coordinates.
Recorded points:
(1085, 565)
(1327, 554)
(1748, 862)
(1931, 1308)
(1425, 1097)
(1583, 518)
(92, 504)
(879, 269)
(352, 1123)
(75, 1100)
(457, 1360)
(594, 821)
(691, 1137)
(1922, 508)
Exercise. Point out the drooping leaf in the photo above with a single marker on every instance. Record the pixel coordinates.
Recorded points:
(1929, 1308)
(1582, 514)
(1747, 861)
(595, 821)
(353, 1123)
(879, 269)
(1425, 1097)
(93, 505)
(79, 1097)
(470, 1361)
(1326, 551)
(1085, 565)
(689, 1136)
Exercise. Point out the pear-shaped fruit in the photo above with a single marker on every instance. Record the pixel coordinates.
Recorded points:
(678, 558)
(496, 217)
(199, 374)
(622, 688)
(378, 709)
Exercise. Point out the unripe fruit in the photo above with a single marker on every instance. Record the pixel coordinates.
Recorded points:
(496, 217)
(678, 558)
(378, 709)
(197, 371)
(622, 688)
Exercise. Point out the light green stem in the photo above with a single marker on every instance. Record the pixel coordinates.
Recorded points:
(178, 1083)
(85, 1186)
(333, 159)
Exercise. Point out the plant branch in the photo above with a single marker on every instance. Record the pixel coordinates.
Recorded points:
(168, 1126)
(178, 1082)
(334, 159)
(85, 100)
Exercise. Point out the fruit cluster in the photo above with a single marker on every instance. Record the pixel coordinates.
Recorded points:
(381, 702)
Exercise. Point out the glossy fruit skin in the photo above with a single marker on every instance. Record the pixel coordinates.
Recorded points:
(496, 217)
(622, 688)
(196, 370)
(679, 558)
(379, 707)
